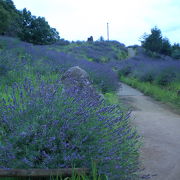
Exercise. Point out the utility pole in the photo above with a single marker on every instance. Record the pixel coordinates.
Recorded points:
(108, 31)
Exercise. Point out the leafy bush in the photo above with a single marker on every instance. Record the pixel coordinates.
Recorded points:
(43, 127)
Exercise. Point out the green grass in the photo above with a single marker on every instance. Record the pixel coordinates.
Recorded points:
(111, 98)
(165, 94)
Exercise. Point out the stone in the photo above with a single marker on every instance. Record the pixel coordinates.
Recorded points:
(77, 80)
(75, 76)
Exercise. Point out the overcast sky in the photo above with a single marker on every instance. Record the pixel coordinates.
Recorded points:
(128, 19)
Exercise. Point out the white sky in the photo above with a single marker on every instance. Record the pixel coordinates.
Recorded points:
(128, 19)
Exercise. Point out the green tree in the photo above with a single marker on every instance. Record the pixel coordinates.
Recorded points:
(37, 30)
(26, 20)
(154, 42)
(176, 51)
(166, 47)
(10, 18)
(4, 20)
(24, 25)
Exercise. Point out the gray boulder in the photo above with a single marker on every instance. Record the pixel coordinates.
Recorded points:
(76, 77)
(77, 80)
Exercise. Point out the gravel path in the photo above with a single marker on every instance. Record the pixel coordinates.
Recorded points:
(160, 128)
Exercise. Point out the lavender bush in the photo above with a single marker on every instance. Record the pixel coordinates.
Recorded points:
(101, 74)
(45, 60)
(98, 51)
(43, 127)
(162, 72)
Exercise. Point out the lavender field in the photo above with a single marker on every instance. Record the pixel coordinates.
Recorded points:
(43, 127)
(158, 77)
(68, 105)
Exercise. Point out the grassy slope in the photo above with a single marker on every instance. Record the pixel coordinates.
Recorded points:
(99, 51)
(166, 95)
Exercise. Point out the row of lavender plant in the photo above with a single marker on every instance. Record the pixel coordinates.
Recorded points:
(46, 61)
(98, 51)
(159, 71)
(43, 127)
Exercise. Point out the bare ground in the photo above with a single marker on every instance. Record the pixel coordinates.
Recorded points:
(160, 128)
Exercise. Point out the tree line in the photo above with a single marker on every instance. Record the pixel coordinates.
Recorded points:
(24, 25)
(155, 42)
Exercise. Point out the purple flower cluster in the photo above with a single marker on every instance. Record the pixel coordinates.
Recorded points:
(45, 127)
(45, 59)
(101, 74)
(98, 51)
(147, 69)
(42, 126)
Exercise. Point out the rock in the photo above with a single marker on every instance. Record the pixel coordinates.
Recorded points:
(76, 77)
(76, 80)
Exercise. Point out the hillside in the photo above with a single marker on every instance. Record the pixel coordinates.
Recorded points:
(32, 98)
(66, 104)
(43, 127)
(28, 60)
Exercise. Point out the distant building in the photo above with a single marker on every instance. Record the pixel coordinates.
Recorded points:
(131, 52)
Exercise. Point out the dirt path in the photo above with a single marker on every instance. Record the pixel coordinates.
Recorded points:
(160, 129)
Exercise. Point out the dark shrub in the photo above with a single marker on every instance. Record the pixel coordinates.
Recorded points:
(165, 78)
(147, 77)
(126, 71)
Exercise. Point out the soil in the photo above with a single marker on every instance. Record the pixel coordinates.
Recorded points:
(159, 127)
